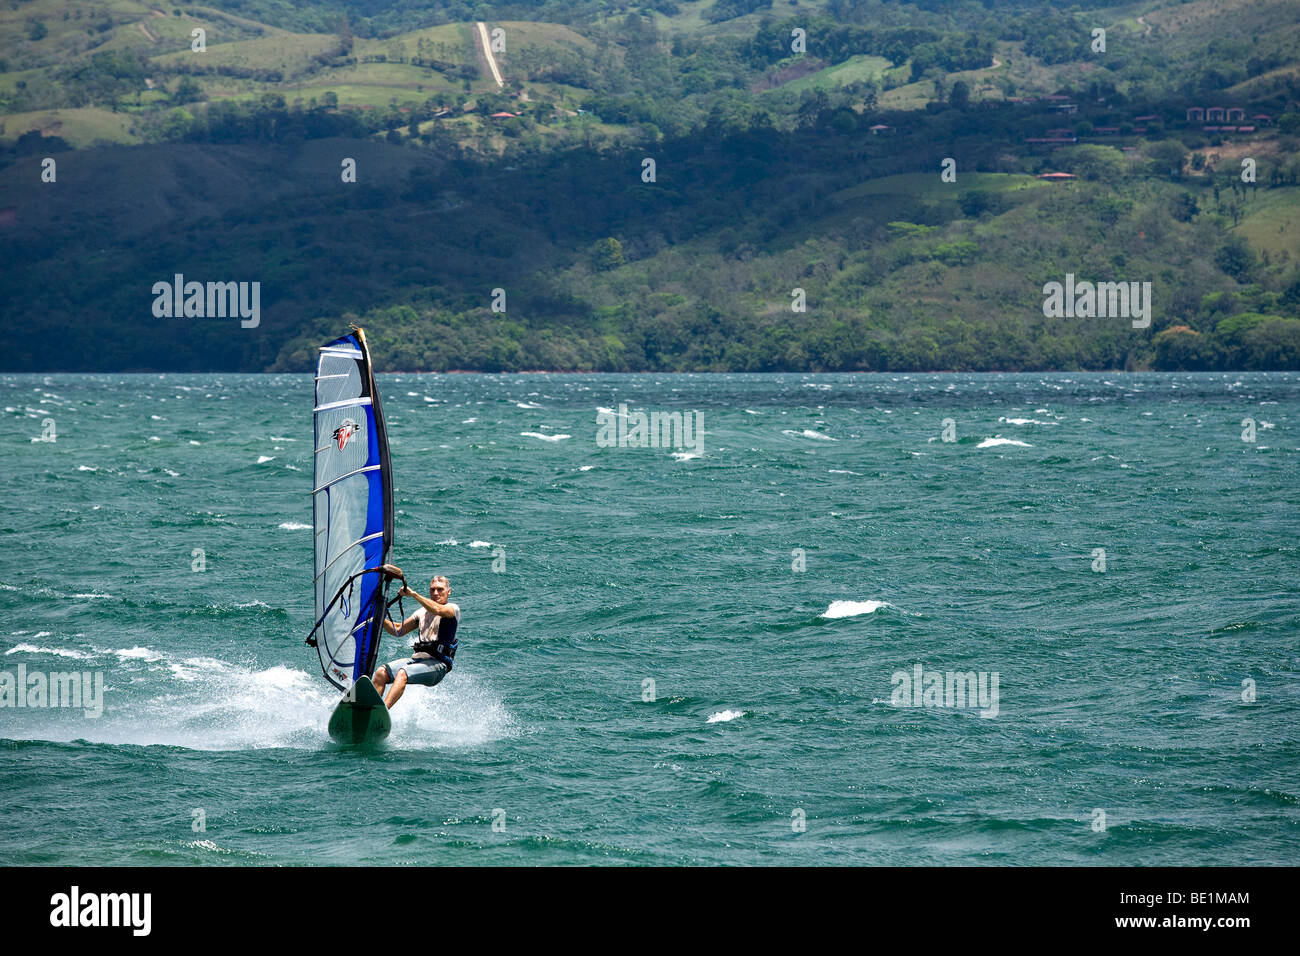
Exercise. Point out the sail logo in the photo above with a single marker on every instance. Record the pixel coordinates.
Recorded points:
(345, 432)
(1103, 300)
(208, 300)
(35, 689)
(75, 909)
(952, 689)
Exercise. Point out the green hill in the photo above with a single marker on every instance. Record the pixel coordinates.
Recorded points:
(775, 171)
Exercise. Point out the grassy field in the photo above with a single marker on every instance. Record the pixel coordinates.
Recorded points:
(930, 186)
(1274, 226)
(856, 69)
(80, 127)
(911, 96)
(522, 33)
(289, 53)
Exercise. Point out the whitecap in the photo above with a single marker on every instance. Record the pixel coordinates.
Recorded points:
(807, 433)
(137, 654)
(55, 651)
(840, 609)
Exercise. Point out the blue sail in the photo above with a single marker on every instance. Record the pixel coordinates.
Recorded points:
(352, 495)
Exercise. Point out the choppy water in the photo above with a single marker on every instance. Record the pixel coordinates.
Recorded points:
(1119, 690)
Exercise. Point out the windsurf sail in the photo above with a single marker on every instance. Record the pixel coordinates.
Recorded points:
(352, 495)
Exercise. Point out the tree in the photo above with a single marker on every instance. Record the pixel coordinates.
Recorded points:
(346, 39)
(959, 95)
(1167, 156)
(1236, 258)
(607, 254)
(1103, 163)
(187, 91)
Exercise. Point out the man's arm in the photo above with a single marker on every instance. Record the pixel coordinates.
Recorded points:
(408, 626)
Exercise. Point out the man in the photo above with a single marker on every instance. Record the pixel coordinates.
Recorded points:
(436, 620)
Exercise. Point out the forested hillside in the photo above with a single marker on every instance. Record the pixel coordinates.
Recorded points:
(717, 185)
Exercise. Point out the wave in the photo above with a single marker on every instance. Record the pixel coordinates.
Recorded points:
(808, 433)
(55, 651)
(840, 609)
(213, 705)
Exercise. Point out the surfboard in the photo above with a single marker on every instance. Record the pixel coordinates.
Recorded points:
(360, 717)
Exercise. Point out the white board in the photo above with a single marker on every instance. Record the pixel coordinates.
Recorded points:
(360, 717)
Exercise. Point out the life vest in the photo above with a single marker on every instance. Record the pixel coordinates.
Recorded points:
(443, 647)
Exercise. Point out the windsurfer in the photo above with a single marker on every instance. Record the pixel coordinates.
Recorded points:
(436, 622)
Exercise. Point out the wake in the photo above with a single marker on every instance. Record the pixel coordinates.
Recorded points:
(202, 703)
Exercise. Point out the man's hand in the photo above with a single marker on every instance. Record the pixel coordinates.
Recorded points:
(406, 590)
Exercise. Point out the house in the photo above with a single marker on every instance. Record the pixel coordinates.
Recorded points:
(878, 129)
(1240, 114)
(1105, 131)
(1214, 113)
(1245, 129)
(1144, 119)
(1067, 108)
(1196, 114)
(1057, 177)
(1262, 119)
(504, 115)
(1051, 140)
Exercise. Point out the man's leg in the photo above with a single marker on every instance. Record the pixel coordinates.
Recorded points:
(399, 685)
(380, 678)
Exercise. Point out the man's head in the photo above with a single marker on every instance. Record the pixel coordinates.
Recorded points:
(440, 589)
